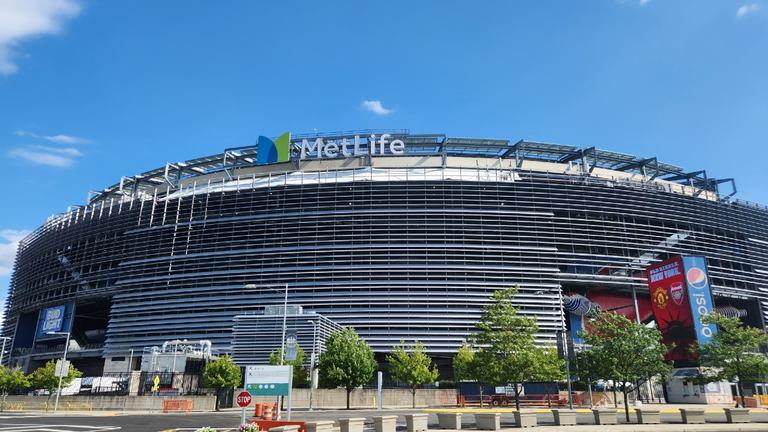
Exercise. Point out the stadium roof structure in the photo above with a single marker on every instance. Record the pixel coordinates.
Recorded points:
(417, 145)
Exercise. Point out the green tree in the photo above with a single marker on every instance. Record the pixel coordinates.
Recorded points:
(300, 374)
(509, 352)
(549, 368)
(10, 380)
(45, 377)
(589, 367)
(220, 374)
(410, 364)
(347, 362)
(628, 351)
(733, 353)
(468, 367)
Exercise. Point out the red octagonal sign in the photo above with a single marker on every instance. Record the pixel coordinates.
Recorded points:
(244, 399)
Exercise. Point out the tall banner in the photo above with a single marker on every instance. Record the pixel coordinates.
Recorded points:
(700, 296)
(671, 307)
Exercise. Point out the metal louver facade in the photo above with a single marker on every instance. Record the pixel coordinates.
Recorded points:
(393, 250)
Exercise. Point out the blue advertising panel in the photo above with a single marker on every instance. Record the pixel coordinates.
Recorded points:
(699, 296)
(55, 319)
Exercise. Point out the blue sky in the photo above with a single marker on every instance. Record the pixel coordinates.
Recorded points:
(92, 90)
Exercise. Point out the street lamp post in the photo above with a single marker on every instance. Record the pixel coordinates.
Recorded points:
(312, 363)
(565, 343)
(63, 363)
(2, 352)
(285, 315)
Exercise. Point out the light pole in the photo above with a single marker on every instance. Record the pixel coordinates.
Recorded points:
(312, 362)
(2, 352)
(285, 314)
(63, 363)
(565, 342)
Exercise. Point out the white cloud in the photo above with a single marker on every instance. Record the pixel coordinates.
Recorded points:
(644, 2)
(65, 151)
(8, 250)
(63, 139)
(43, 158)
(376, 107)
(747, 9)
(25, 133)
(24, 19)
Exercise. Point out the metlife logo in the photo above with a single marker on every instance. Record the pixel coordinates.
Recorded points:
(279, 150)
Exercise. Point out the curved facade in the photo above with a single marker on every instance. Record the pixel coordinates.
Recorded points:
(399, 246)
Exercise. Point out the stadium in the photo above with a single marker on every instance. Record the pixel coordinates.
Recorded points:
(401, 236)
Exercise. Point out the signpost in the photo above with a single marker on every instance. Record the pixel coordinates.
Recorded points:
(243, 400)
(154, 392)
(270, 381)
(62, 368)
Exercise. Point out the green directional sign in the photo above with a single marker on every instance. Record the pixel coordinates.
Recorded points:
(268, 380)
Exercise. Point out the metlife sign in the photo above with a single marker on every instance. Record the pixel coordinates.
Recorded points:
(269, 151)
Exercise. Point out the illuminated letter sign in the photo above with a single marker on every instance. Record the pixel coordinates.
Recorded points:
(332, 149)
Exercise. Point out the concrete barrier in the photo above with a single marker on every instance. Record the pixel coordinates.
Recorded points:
(525, 418)
(647, 416)
(605, 416)
(351, 424)
(692, 416)
(737, 415)
(319, 426)
(416, 422)
(449, 420)
(286, 428)
(564, 417)
(384, 423)
(487, 421)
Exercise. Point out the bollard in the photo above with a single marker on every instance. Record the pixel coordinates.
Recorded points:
(351, 424)
(449, 420)
(416, 422)
(384, 423)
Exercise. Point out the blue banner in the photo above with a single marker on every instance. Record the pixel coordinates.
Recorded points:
(55, 319)
(699, 296)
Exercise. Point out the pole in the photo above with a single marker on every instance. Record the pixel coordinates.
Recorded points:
(637, 318)
(378, 400)
(63, 363)
(565, 346)
(242, 417)
(282, 348)
(312, 364)
(130, 362)
(290, 389)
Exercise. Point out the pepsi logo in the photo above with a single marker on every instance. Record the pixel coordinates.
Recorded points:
(696, 278)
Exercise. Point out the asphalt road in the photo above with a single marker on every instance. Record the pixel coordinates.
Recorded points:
(230, 419)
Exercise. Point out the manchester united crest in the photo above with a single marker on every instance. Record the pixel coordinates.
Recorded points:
(660, 297)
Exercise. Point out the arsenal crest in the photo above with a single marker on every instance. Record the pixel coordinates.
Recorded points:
(660, 297)
(677, 293)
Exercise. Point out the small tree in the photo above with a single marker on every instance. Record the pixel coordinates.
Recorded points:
(45, 377)
(549, 368)
(220, 374)
(10, 380)
(469, 368)
(733, 353)
(410, 364)
(300, 375)
(509, 351)
(629, 351)
(347, 362)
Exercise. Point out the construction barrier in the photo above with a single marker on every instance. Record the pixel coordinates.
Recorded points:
(257, 412)
(177, 405)
(763, 400)
(267, 412)
(265, 425)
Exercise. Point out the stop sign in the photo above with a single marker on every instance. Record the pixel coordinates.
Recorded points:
(244, 399)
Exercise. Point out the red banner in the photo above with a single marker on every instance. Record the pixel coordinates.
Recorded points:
(666, 281)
